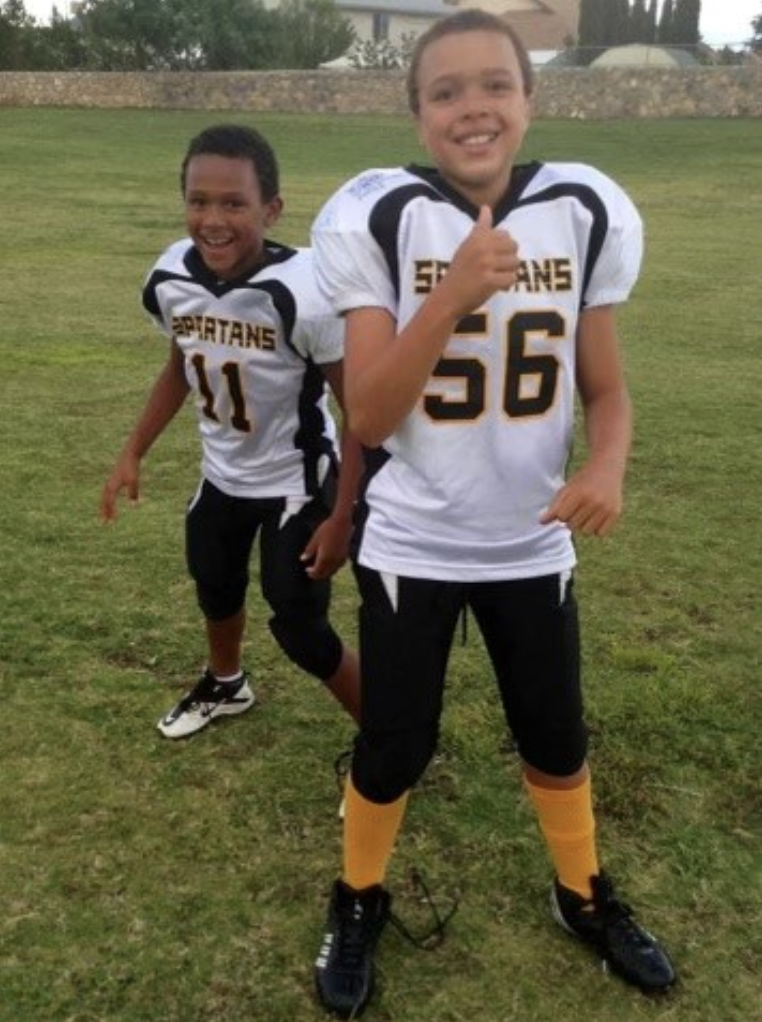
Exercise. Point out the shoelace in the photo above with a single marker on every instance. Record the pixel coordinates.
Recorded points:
(353, 938)
(434, 937)
(206, 690)
(619, 914)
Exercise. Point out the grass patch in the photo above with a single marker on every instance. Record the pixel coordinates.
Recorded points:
(145, 881)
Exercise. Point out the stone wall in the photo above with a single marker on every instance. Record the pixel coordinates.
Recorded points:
(586, 94)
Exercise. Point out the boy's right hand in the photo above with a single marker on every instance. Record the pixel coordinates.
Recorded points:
(486, 262)
(125, 476)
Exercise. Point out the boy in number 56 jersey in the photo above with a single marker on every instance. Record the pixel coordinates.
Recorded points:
(478, 297)
(254, 342)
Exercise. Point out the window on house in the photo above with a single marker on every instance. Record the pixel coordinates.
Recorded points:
(380, 27)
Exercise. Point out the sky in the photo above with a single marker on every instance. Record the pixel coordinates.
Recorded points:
(722, 21)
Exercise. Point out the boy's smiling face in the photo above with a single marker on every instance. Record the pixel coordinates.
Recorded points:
(225, 214)
(474, 111)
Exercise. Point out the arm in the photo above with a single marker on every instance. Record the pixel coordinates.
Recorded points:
(328, 548)
(591, 502)
(165, 400)
(386, 371)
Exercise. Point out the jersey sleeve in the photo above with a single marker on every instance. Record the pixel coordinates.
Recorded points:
(170, 263)
(350, 267)
(321, 338)
(318, 330)
(152, 305)
(618, 265)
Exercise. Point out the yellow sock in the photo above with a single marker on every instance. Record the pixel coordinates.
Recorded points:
(568, 826)
(370, 830)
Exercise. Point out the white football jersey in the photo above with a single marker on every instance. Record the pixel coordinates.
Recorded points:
(252, 351)
(456, 492)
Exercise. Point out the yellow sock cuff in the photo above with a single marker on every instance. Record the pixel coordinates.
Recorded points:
(567, 822)
(370, 832)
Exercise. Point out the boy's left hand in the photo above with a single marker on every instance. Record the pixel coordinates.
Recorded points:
(590, 503)
(327, 549)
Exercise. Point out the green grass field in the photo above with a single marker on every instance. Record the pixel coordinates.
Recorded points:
(146, 881)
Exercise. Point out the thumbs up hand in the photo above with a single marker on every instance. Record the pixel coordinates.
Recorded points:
(486, 261)
(484, 220)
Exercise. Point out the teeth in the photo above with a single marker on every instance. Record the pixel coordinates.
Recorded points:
(478, 139)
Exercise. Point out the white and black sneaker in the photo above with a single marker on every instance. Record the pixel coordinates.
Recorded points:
(208, 699)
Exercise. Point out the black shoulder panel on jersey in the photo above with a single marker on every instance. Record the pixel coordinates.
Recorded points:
(592, 202)
(310, 436)
(277, 253)
(150, 298)
(283, 300)
(385, 221)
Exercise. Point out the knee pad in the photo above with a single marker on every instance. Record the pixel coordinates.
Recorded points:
(310, 643)
(219, 604)
(560, 754)
(384, 767)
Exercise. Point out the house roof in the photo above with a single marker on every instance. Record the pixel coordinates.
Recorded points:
(430, 8)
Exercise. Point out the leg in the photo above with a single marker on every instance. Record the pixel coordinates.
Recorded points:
(220, 531)
(406, 628)
(300, 605)
(532, 634)
(344, 684)
(539, 779)
(225, 639)
(406, 631)
(537, 661)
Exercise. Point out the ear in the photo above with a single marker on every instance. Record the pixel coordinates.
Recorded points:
(273, 210)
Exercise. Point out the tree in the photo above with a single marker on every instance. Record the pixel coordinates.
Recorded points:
(591, 30)
(591, 23)
(619, 31)
(664, 32)
(16, 38)
(127, 35)
(685, 22)
(203, 35)
(383, 55)
(209, 35)
(60, 46)
(649, 36)
(639, 22)
(311, 32)
(223, 35)
(755, 43)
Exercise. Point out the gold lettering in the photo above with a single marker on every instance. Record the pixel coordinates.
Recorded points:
(564, 275)
(231, 332)
(428, 273)
(543, 275)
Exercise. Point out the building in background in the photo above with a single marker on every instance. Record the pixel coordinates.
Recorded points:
(376, 21)
(545, 26)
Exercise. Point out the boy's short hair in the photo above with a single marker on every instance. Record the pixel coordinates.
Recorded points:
(469, 20)
(237, 142)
